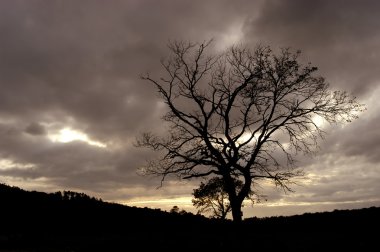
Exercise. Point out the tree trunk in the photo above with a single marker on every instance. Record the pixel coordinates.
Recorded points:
(237, 214)
(223, 215)
(235, 202)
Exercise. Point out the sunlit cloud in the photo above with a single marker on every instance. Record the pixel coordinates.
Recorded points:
(171, 201)
(8, 164)
(232, 36)
(319, 121)
(67, 135)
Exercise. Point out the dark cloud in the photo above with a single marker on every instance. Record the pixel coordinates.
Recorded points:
(76, 65)
(340, 37)
(35, 129)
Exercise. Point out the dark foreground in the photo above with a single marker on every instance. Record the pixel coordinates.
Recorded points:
(69, 221)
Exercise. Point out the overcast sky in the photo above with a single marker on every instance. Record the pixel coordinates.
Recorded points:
(72, 102)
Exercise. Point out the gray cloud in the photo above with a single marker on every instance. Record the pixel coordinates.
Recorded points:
(340, 37)
(35, 129)
(76, 64)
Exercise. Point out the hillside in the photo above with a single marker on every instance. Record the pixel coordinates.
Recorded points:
(70, 221)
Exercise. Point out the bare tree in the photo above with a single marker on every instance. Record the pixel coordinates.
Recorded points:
(243, 114)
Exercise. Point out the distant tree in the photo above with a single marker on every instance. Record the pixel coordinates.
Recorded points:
(241, 115)
(213, 197)
(175, 209)
(183, 212)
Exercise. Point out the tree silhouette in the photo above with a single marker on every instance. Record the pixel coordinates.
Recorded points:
(241, 115)
(175, 209)
(213, 197)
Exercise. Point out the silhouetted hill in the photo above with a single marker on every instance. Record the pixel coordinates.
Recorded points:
(67, 220)
(71, 221)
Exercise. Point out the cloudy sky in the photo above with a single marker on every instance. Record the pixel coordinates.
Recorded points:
(72, 102)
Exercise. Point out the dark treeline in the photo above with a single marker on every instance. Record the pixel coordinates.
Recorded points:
(71, 221)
